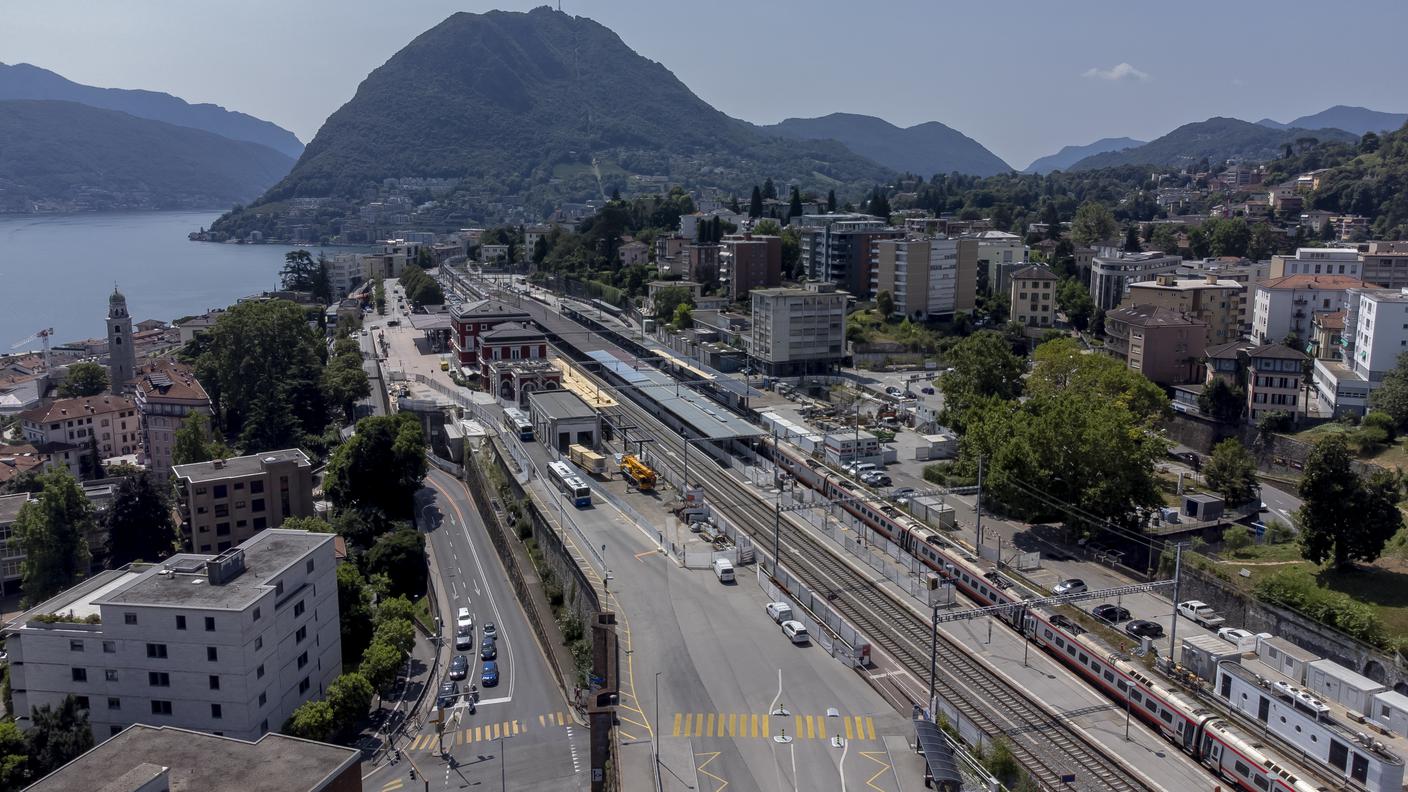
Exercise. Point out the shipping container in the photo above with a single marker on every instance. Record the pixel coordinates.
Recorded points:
(1391, 711)
(1332, 681)
(1201, 654)
(1284, 656)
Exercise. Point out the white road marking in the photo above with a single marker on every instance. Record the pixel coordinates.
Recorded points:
(487, 702)
(494, 605)
(841, 766)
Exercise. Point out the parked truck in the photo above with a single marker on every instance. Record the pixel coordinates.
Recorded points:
(638, 473)
(1201, 612)
(587, 459)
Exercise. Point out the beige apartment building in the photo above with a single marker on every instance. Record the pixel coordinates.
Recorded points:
(1220, 304)
(223, 502)
(929, 278)
(69, 429)
(167, 392)
(1164, 345)
(1033, 299)
(798, 331)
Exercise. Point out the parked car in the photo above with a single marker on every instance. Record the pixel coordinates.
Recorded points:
(1139, 628)
(1069, 586)
(1233, 635)
(902, 491)
(779, 612)
(892, 390)
(1112, 614)
(796, 632)
(1201, 612)
(464, 637)
(490, 675)
(449, 691)
(459, 667)
(489, 649)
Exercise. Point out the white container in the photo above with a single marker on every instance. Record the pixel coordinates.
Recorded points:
(1330, 680)
(1391, 711)
(1284, 656)
(1201, 654)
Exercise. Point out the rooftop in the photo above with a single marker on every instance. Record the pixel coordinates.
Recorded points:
(10, 507)
(63, 409)
(1329, 320)
(1312, 282)
(560, 404)
(1276, 351)
(168, 379)
(1034, 273)
(1152, 316)
(706, 417)
(200, 762)
(510, 331)
(1228, 351)
(234, 467)
(488, 309)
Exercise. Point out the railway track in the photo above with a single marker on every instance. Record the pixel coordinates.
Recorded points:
(1048, 748)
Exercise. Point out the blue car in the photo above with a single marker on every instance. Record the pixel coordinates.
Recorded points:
(490, 677)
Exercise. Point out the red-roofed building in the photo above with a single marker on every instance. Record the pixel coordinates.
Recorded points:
(67, 429)
(167, 392)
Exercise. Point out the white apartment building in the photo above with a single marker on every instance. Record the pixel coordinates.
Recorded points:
(999, 255)
(1318, 261)
(1385, 264)
(1111, 272)
(1375, 334)
(229, 644)
(345, 273)
(798, 331)
(1285, 306)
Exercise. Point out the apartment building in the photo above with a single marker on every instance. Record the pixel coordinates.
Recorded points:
(69, 429)
(1282, 307)
(229, 644)
(1220, 304)
(748, 262)
(798, 331)
(1318, 261)
(999, 255)
(1274, 374)
(1385, 264)
(224, 502)
(1112, 271)
(1162, 344)
(1242, 270)
(930, 278)
(1375, 333)
(1033, 299)
(840, 248)
(167, 392)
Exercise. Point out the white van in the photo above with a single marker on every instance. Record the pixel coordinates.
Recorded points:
(723, 569)
(779, 612)
(863, 467)
(796, 631)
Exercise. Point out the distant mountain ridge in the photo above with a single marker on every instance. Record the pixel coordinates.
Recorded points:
(1070, 155)
(24, 81)
(1216, 139)
(58, 156)
(923, 149)
(1356, 120)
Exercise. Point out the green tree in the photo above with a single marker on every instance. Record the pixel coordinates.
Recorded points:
(1222, 402)
(791, 253)
(1236, 538)
(302, 272)
(399, 634)
(794, 208)
(1229, 237)
(830, 200)
(14, 757)
(755, 204)
(139, 523)
(1199, 244)
(1344, 518)
(1073, 300)
(1164, 239)
(1093, 223)
(769, 189)
(381, 467)
(1263, 242)
(52, 531)
(84, 379)
(394, 608)
(879, 205)
(313, 720)
(1392, 396)
(1231, 472)
(381, 664)
(668, 299)
(57, 736)
(354, 610)
(766, 227)
(1131, 241)
(350, 696)
(1061, 366)
(344, 379)
(400, 555)
(683, 318)
(983, 368)
(885, 303)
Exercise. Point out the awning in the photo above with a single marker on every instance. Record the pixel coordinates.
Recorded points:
(942, 767)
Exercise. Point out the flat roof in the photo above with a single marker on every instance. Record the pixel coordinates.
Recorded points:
(200, 762)
(238, 466)
(433, 321)
(706, 417)
(560, 404)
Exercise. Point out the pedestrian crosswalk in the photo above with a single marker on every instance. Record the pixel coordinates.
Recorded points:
(755, 725)
(428, 740)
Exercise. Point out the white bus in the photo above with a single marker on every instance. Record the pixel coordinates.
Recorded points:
(565, 477)
(516, 421)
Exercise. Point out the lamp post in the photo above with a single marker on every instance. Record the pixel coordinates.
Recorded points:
(655, 734)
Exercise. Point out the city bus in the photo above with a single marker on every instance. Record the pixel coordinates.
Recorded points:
(516, 421)
(566, 480)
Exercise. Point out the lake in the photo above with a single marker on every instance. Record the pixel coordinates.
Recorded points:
(58, 270)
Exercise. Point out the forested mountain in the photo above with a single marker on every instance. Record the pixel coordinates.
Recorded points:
(1368, 178)
(1070, 155)
(65, 155)
(923, 149)
(538, 107)
(23, 81)
(1216, 140)
(1355, 120)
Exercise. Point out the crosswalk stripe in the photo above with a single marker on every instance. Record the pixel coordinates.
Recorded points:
(755, 725)
(542, 720)
(821, 727)
(870, 729)
(850, 735)
(515, 728)
(560, 720)
(459, 738)
(860, 727)
(676, 732)
(699, 725)
(766, 723)
(477, 733)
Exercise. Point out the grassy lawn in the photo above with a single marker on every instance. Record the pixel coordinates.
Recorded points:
(1394, 455)
(424, 616)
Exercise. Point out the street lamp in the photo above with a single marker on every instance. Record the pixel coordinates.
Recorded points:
(655, 733)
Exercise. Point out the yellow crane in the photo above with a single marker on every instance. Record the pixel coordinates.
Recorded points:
(638, 472)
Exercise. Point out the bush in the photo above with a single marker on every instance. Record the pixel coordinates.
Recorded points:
(1297, 589)
(1278, 532)
(1236, 538)
(1379, 419)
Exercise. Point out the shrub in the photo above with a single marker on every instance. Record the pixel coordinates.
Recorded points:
(1296, 588)
(1278, 532)
(1236, 538)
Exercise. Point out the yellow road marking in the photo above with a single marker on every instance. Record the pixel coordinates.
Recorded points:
(710, 730)
(699, 725)
(625, 733)
(390, 785)
(542, 720)
(797, 732)
(676, 732)
(459, 738)
(477, 733)
(766, 723)
(811, 729)
(870, 782)
(754, 725)
(639, 556)
(631, 721)
(869, 729)
(850, 735)
(700, 768)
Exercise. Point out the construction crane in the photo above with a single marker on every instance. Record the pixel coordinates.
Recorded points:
(42, 335)
(638, 472)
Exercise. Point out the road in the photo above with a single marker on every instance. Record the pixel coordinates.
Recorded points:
(521, 735)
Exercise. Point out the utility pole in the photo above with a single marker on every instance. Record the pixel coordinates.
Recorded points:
(777, 513)
(655, 737)
(1177, 568)
(979, 509)
(933, 650)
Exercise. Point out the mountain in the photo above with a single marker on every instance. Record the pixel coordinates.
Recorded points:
(1356, 120)
(1070, 155)
(516, 112)
(65, 155)
(1358, 178)
(923, 149)
(1216, 139)
(23, 81)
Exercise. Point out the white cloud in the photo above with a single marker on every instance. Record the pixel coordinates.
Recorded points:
(1120, 71)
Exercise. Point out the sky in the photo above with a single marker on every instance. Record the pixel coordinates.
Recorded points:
(1022, 78)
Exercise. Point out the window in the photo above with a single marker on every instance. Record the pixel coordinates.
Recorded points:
(109, 647)
(298, 608)
(259, 672)
(256, 505)
(301, 634)
(223, 528)
(81, 702)
(157, 651)
(257, 614)
(215, 711)
(210, 624)
(1241, 768)
(180, 622)
(129, 618)
(222, 510)
(75, 646)
(258, 643)
(158, 679)
(212, 654)
(256, 487)
(161, 707)
(114, 703)
(221, 491)
(303, 660)
(110, 675)
(304, 685)
(214, 682)
(263, 698)
(79, 674)
(309, 566)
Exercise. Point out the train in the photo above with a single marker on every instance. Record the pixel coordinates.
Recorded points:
(1211, 739)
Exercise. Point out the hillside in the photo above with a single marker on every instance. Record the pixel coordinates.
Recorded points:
(1356, 120)
(1216, 140)
(1364, 179)
(522, 110)
(1070, 155)
(23, 81)
(64, 156)
(923, 149)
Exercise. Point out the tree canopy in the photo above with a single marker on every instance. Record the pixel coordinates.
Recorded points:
(1222, 402)
(984, 367)
(1093, 223)
(400, 555)
(1392, 395)
(381, 467)
(53, 531)
(1062, 365)
(302, 272)
(344, 379)
(421, 289)
(139, 522)
(1345, 518)
(1231, 472)
(84, 379)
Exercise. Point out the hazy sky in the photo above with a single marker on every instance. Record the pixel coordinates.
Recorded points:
(1022, 78)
